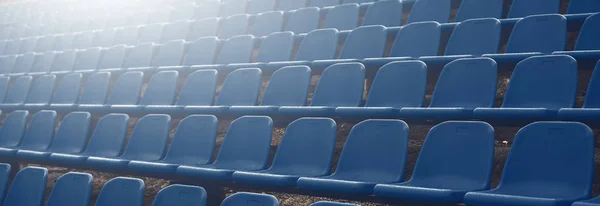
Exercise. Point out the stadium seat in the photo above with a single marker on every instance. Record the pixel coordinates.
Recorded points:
(127, 35)
(63, 62)
(524, 8)
(534, 35)
(386, 13)
(8, 63)
(267, 23)
(182, 13)
(138, 18)
(538, 153)
(169, 53)
(112, 58)
(95, 91)
(319, 44)
(201, 51)
(83, 40)
(323, 3)
(260, 6)
(17, 94)
(342, 17)
(38, 135)
(161, 90)
(234, 26)
(207, 9)
(180, 195)
(28, 187)
(193, 143)
(147, 143)
(160, 15)
(4, 179)
(42, 63)
(66, 92)
(13, 129)
(276, 47)
(245, 198)
(71, 189)
(44, 44)
(87, 60)
(233, 7)
(583, 7)
(199, 89)
(591, 103)
(341, 85)
(27, 45)
(203, 28)
(396, 85)
(328, 203)
(150, 33)
(287, 5)
(430, 10)
(245, 147)
(538, 88)
(475, 9)
(175, 31)
(303, 20)
(365, 162)
(126, 91)
(355, 47)
(12, 47)
(139, 57)
(306, 150)
(587, 45)
(121, 191)
(40, 93)
(471, 168)
(104, 38)
(237, 49)
(63, 41)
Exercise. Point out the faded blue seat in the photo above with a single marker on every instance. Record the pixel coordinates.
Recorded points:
(37, 137)
(4, 179)
(319, 44)
(150, 33)
(71, 189)
(375, 152)
(538, 88)
(237, 49)
(104, 38)
(286, 5)
(107, 140)
(275, 47)
(28, 187)
(161, 90)
(4, 84)
(175, 31)
(66, 92)
(94, 91)
(245, 198)
(45, 43)
(27, 45)
(83, 40)
(18, 66)
(536, 158)
(7, 63)
(199, 89)
(328, 203)
(230, 8)
(524, 8)
(148, 142)
(40, 93)
(193, 143)
(203, 28)
(430, 10)
(323, 3)
(355, 47)
(386, 13)
(260, 6)
(202, 51)
(126, 91)
(63, 62)
(306, 150)
(396, 85)
(184, 195)
(63, 41)
(462, 86)
(112, 58)
(591, 104)
(475, 9)
(207, 9)
(342, 17)
(122, 191)
(87, 60)
(245, 147)
(303, 20)
(534, 35)
(267, 23)
(12, 47)
(587, 45)
(42, 63)
(470, 169)
(341, 85)
(138, 58)
(127, 35)
(234, 26)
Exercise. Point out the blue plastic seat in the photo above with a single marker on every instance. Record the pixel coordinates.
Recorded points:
(355, 47)
(63, 41)
(21, 65)
(260, 6)
(104, 38)
(27, 45)
(430, 10)
(323, 3)
(341, 85)
(470, 169)
(83, 40)
(199, 89)
(42, 63)
(87, 60)
(63, 62)
(538, 88)
(28, 187)
(112, 58)
(234, 26)
(12, 47)
(159, 16)
(245, 147)
(13, 128)
(139, 57)
(150, 33)
(127, 35)
(538, 154)
(475, 9)
(202, 51)
(245, 198)
(71, 189)
(276, 47)
(45, 43)
(126, 91)
(66, 92)
(207, 9)
(387, 13)
(396, 85)
(524, 8)
(17, 94)
(95, 91)
(38, 135)
(534, 35)
(169, 54)
(148, 142)
(122, 191)
(40, 94)
(107, 140)
(303, 20)
(328, 203)
(4, 179)
(583, 7)
(230, 8)
(375, 152)
(591, 103)
(306, 150)
(587, 45)
(203, 28)
(342, 17)
(161, 90)
(267, 23)
(175, 31)
(287, 5)
(184, 11)
(180, 195)
(237, 49)
(320, 44)
(7, 63)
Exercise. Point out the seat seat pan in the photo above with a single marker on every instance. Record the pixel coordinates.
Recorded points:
(254, 110)
(406, 191)
(367, 111)
(307, 110)
(107, 163)
(436, 112)
(205, 172)
(153, 167)
(266, 178)
(494, 198)
(329, 184)
(67, 159)
(33, 155)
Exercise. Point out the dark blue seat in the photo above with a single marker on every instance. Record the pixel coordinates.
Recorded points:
(342, 17)
(375, 152)
(203, 28)
(148, 142)
(112, 58)
(587, 45)
(303, 20)
(199, 89)
(71, 189)
(524, 8)
(583, 7)
(13, 129)
(42, 63)
(467, 152)
(276, 47)
(37, 137)
(534, 35)
(267, 23)
(286, 5)
(328, 203)
(591, 103)
(161, 90)
(386, 13)
(319, 44)
(138, 58)
(430, 10)
(193, 143)
(66, 92)
(237, 49)
(245, 147)
(355, 47)
(536, 158)
(122, 191)
(4, 83)
(63, 62)
(184, 195)
(202, 51)
(538, 88)
(175, 31)
(260, 6)
(87, 60)
(306, 150)
(463, 85)
(245, 198)
(40, 92)
(126, 91)
(150, 33)
(28, 187)
(4, 179)
(475, 9)
(234, 26)
(341, 85)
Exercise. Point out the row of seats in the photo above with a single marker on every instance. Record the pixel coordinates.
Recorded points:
(462, 150)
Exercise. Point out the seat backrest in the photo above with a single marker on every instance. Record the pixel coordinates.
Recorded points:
(417, 39)
(40, 131)
(28, 187)
(286, 5)
(318, 45)
(475, 37)
(104, 38)
(475, 9)
(148, 142)
(543, 82)
(234, 25)
(587, 39)
(87, 59)
(246, 144)
(41, 90)
(72, 133)
(240, 88)
(246, 198)
(169, 54)
(260, 6)
(71, 189)
(112, 57)
(538, 153)
(27, 45)
(324, 3)
(83, 40)
(176, 30)
(540, 33)
(430, 10)
(4, 179)
(8, 63)
(43, 62)
(207, 9)
(288, 87)
(22, 64)
(12, 47)
(17, 94)
(13, 129)
(342, 17)
(230, 8)
(364, 42)
(160, 15)
(592, 100)
(267, 23)
(64, 61)
(139, 56)
(375, 151)
(194, 141)
(45, 43)
(276, 47)
(303, 20)
(199, 88)
(180, 195)
(150, 33)
(63, 42)
(108, 138)
(236, 49)
(4, 82)
(399, 84)
(161, 89)
(122, 191)
(203, 28)
(127, 89)
(201, 51)
(67, 90)
(340, 85)
(583, 6)
(385, 13)
(95, 89)
(127, 35)
(523, 8)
